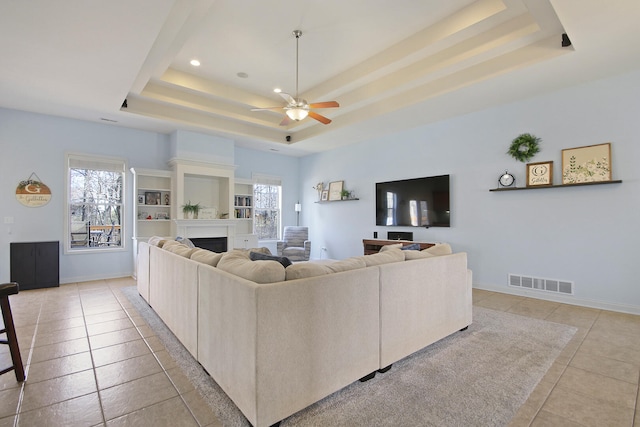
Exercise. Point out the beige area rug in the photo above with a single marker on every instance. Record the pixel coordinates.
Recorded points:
(477, 377)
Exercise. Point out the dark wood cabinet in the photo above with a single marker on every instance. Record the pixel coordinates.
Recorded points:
(35, 264)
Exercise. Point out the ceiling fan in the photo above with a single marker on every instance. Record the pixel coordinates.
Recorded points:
(297, 108)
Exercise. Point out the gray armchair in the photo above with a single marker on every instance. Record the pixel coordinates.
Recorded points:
(295, 244)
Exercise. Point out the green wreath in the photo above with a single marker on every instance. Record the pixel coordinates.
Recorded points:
(524, 147)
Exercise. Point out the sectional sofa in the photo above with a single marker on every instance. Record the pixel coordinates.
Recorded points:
(279, 339)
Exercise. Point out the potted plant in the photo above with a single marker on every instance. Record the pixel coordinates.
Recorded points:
(345, 194)
(190, 211)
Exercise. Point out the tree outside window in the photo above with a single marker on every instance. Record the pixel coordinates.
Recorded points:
(266, 222)
(95, 208)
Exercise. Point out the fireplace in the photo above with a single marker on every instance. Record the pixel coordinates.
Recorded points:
(214, 244)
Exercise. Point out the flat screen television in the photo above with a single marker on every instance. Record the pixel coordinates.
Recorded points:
(417, 202)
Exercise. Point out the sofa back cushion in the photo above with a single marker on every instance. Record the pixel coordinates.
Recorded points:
(237, 262)
(179, 249)
(386, 257)
(206, 256)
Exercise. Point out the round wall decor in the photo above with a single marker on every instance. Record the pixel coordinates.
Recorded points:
(32, 192)
(524, 147)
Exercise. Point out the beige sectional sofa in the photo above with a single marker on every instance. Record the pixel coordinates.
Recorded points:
(279, 339)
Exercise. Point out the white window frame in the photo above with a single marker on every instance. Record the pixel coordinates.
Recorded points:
(113, 164)
(273, 180)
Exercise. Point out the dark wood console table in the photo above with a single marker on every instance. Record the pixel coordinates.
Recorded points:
(372, 246)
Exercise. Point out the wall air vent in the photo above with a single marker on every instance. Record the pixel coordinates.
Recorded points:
(549, 285)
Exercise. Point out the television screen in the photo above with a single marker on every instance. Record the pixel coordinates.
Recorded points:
(418, 202)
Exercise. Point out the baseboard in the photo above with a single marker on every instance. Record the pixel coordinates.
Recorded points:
(78, 279)
(571, 300)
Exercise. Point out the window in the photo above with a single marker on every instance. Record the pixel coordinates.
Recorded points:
(95, 203)
(267, 207)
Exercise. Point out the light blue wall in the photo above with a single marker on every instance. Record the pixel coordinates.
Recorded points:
(38, 143)
(589, 235)
(585, 234)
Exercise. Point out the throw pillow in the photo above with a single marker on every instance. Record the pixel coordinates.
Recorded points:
(411, 255)
(388, 256)
(185, 241)
(206, 257)
(387, 247)
(259, 256)
(237, 262)
(439, 249)
(411, 247)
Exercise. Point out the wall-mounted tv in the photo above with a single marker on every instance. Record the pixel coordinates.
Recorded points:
(418, 202)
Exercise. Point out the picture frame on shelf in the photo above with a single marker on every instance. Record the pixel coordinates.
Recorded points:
(540, 174)
(152, 197)
(335, 188)
(325, 195)
(591, 163)
(141, 199)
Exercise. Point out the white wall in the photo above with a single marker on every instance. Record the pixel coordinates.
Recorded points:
(38, 143)
(588, 235)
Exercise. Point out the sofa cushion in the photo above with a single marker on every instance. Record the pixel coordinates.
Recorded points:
(237, 262)
(206, 256)
(154, 240)
(347, 264)
(388, 256)
(439, 249)
(164, 244)
(259, 256)
(387, 247)
(180, 249)
(302, 270)
(410, 255)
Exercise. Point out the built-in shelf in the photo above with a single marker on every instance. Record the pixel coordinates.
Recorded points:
(331, 201)
(556, 186)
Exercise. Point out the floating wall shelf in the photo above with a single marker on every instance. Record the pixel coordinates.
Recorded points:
(332, 201)
(556, 186)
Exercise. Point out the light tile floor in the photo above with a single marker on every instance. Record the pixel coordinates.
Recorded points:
(91, 360)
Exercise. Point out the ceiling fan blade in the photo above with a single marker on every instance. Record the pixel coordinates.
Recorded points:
(288, 98)
(267, 108)
(328, 104)
(285, 121)
(318, 117)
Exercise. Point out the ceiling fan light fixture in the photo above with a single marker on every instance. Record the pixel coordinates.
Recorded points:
(297, 113)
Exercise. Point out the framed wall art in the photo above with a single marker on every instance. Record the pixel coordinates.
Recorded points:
(152, 197)
(335, 188)
(325, 195)
(539, 174)
(591, 163)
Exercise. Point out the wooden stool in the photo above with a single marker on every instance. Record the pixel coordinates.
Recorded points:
(7, 289)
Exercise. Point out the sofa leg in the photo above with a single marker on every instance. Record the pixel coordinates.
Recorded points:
(276, 424)
(368, 377)
(465, 328)
(385, 369)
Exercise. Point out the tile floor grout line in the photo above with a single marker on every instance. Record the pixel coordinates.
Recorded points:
(144, 339)
(26, 368)
(93, 363)
(555, 384)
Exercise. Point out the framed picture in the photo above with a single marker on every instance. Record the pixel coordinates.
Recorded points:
(335, 188)
(591, 163)
(325, 195)
(539, 174)
(152, 198)
(141, 199)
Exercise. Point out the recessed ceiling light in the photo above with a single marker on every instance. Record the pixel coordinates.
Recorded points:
(242, 75)
(277, 90)
(195, 62)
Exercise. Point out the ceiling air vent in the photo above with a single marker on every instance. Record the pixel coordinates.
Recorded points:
(548, 285)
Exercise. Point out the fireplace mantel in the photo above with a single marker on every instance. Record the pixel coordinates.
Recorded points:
(207, 228)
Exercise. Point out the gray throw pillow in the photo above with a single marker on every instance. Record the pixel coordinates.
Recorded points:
(257, 256)
(411, 247)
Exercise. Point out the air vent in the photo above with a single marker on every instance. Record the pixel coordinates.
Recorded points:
(538, 283)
